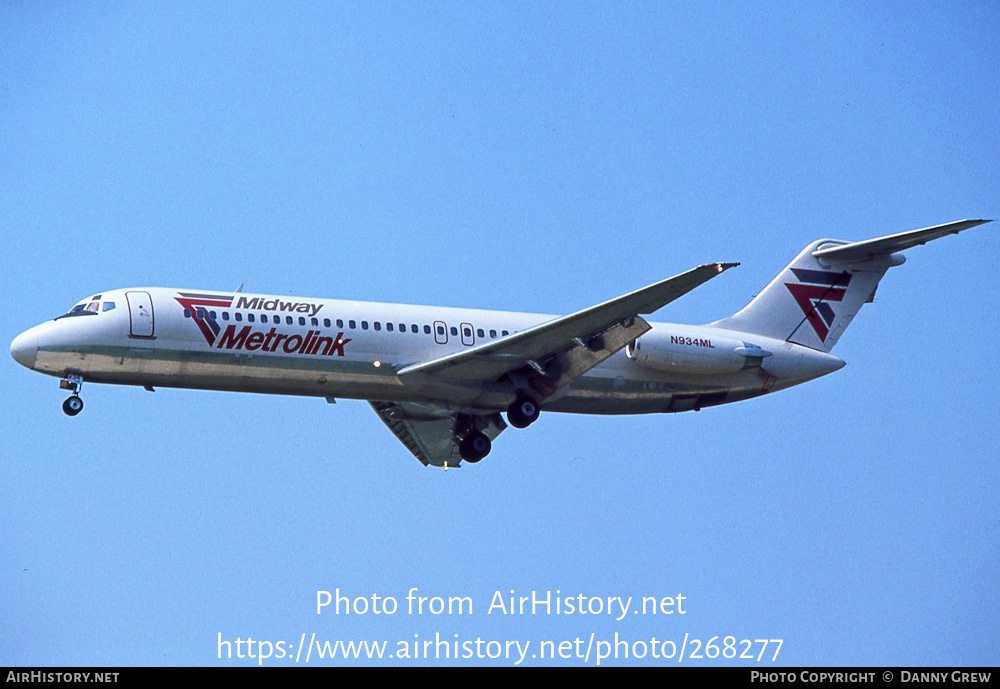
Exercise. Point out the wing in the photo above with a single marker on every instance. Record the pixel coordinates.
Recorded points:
(431, 434)
(544, 359)
(564, 348)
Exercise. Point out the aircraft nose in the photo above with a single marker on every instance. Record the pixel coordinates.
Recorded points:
(24, 348)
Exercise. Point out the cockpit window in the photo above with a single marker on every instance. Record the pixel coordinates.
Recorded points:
(87, 308)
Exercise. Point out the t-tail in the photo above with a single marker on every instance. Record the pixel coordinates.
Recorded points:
(815, 298)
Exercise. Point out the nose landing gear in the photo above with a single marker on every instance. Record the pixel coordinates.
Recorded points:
(73, 405)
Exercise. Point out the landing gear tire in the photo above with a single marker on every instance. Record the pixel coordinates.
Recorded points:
(474, 447)
(73, 406)
(523, 412)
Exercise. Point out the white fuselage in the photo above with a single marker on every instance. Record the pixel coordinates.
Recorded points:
(334, 348)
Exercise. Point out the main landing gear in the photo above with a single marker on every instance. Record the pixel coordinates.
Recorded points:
(474, 447)
(523, 412)
(473, 444)
(73, 405)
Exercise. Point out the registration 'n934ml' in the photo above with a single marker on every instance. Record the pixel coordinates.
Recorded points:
(691, 341)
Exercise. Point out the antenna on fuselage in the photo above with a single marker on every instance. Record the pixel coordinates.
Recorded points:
(240, 288)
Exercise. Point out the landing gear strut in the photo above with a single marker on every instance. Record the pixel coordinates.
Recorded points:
(523, 412)
(73, 405)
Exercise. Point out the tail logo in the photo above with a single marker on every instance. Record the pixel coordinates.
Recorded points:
(817, 289)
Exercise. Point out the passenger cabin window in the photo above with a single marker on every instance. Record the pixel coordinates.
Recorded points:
(454, 331)
(427, 330)
(388, 327)
(239, 316)
(493, 333)
(288, 320)
(314, 321)
(250, 317)
(352, 325)
(302, 321)
(364, 325)
(263, 318)
(326, 322)
(378, 326)
(414, 329)
(225, 315)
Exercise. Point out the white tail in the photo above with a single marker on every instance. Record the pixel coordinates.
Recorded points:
(816, 296)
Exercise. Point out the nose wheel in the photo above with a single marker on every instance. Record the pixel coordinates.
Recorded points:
(73, 405)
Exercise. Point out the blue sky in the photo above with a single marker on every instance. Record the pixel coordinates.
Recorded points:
(531, 157)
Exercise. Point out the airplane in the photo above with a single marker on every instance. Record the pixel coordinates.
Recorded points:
(442, 379)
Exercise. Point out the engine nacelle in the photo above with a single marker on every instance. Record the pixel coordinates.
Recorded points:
(697, 352)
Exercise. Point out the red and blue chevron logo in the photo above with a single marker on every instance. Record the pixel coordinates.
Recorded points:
(200, 305)
(813, 296)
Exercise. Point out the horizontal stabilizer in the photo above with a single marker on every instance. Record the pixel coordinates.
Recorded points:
(855, 252)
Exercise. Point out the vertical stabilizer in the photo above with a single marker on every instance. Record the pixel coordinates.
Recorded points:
(810, 303)
(816, 296)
